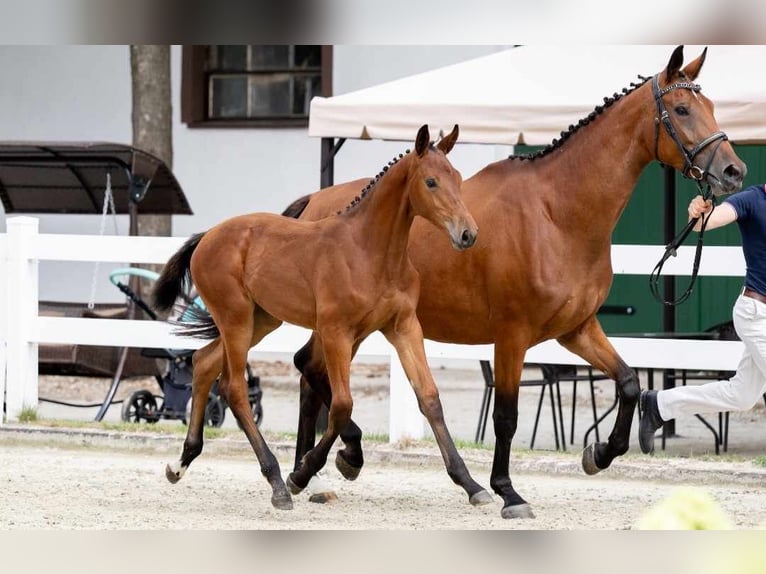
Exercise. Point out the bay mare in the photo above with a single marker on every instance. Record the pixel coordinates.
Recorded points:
(545, 268)
(344, 277)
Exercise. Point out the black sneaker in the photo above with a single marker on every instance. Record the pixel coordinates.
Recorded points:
(650, 421)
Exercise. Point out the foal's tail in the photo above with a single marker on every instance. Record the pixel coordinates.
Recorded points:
(175, 278)
(174, 282)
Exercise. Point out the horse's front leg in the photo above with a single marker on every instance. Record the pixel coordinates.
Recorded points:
(338, 351)
(315, 391)
(590, 342)
(509, 362)
(407, 338)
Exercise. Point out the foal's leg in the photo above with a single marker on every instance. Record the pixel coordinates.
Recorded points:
(509, 362)
(338, 353)
(243, 327)
(315, 391)
(206, 367)
(590, 342)
(407, 337)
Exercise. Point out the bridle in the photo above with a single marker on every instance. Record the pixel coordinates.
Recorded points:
(690, 171)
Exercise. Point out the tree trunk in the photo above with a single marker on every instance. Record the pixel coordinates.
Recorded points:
(152, 123)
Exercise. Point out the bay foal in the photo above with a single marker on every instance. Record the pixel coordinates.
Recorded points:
(344, 277)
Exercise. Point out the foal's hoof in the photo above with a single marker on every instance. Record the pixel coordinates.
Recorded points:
(589, 460)
(292, 487)
(480, 498)
(282, 501)
(517, 511)
(348, 471)
(173, 475)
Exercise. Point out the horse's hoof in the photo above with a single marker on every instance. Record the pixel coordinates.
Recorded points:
(481, 498)
(319, 491)
(292, 487)
(348, 471)
(173, 476)
(282, 501)
(517, 511)
(589, 460)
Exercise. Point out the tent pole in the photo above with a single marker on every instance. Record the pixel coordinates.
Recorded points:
(669, 281)
(329, 151)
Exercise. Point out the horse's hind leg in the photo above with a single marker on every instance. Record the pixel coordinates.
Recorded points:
(206, 367)
(407, 337)
(315, 391)
(590, 342)
(244, 329)
(338, 352)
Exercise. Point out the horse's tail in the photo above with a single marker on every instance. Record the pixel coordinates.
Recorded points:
(297, 207)
(175, 278)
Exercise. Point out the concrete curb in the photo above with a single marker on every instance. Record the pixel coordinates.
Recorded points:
(670, 470)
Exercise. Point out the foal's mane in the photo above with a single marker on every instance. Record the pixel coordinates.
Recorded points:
(372, 184)
(565, 135)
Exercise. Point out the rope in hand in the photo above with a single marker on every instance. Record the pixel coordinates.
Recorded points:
(672, 250)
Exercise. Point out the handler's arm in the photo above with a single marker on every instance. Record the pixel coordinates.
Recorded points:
(722, 214)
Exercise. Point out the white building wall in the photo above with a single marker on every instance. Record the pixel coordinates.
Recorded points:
(83, 93)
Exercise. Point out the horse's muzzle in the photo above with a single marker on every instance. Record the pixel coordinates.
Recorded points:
(465, 240)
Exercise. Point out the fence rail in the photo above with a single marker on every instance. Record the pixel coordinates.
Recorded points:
(22, 329)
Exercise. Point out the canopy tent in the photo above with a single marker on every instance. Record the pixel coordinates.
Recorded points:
(530, 94)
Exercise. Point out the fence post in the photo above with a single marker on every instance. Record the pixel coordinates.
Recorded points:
(405, 418)
(21, 316)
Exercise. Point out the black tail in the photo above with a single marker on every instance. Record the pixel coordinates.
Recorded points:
(196, 322)
(297, 207)
(175, 280)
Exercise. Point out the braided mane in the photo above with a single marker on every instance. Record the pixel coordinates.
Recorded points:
(565, 135)
(373, 182)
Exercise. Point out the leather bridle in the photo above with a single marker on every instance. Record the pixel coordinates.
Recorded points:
(690, 171)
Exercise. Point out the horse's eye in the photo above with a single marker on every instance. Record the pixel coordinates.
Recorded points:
(682, 110)
(430, 182)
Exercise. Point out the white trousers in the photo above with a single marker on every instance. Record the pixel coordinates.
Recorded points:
(744, 389)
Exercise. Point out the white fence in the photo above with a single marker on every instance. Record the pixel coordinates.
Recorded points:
(22, 329)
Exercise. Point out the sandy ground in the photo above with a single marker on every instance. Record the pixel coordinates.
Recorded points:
(95, 479)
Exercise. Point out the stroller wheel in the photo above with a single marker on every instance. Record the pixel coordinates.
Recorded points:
(215, 411)
(140, 406)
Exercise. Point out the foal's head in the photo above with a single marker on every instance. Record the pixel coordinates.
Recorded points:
(687, 133)
(434, 189)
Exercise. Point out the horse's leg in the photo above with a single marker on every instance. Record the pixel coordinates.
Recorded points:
(338, 353)
(407, 338)
(206, 366)
(243, 328)
(509, 362)
(590, 342)
(315, 391)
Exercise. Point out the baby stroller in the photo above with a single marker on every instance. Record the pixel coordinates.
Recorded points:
(176, 383)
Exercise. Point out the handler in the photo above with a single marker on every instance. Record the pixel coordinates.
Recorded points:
(747, 386)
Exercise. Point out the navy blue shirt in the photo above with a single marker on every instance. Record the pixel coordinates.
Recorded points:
(750, 205)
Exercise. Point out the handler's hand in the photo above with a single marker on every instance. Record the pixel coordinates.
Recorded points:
(698, 206)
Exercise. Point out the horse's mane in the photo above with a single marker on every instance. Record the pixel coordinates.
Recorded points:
(565, 135)
(373, 182)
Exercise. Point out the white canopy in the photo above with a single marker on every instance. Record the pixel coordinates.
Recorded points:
(532, 93)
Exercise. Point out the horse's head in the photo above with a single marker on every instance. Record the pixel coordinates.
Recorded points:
(435, 189)
(687, 133)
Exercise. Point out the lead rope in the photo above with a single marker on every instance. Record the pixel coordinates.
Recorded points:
(672, 250)
(108, 205)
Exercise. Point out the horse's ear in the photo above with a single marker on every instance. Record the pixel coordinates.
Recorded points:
(675, 63)
(422, 140)
(448, 142)
(693, 69)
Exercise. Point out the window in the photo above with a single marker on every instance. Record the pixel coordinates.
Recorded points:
(270, 85)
